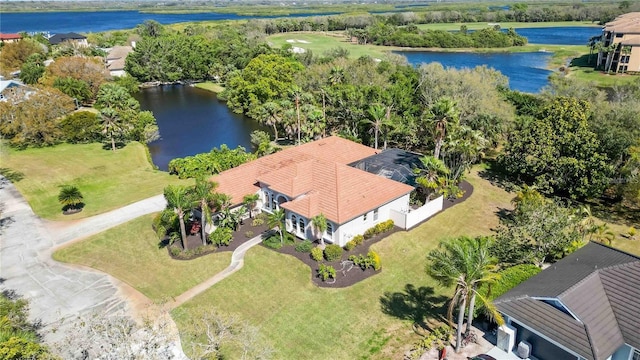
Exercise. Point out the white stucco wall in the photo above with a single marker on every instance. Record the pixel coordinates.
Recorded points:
(407, 220)
(359, 224)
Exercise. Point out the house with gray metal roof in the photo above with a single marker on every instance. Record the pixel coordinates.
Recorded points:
(585, 306)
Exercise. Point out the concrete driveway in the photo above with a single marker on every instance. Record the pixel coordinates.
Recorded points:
(58, 293)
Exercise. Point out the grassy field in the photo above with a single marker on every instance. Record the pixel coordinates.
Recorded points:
(506, 25)
(318, 43)
(210, 86)
(107, 179)
(130, 253)
(372, 319)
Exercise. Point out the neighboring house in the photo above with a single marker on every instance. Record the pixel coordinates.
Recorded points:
(620, 39)
(316, 178)
(72, 37)
(585, 306)
(116, 58)
(10, 38)
(14, 91)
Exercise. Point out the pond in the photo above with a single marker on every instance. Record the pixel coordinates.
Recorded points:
(192, 121)
(526, 71)
(565, 35)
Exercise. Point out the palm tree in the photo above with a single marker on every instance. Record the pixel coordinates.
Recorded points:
(178, 199)
(377, 113)
(465, 263)
(603, 234)
(336, 75)
(203, 193)
(319, 223)
(296, 94)
(429, 177)
(111, 125)
(276, 219)
(70, 197)
(250, 201)
(588, 223)
(443, 114)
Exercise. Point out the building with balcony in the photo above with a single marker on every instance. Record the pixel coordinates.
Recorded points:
(620, 45)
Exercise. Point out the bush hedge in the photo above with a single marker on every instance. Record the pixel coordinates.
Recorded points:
(379, 229)
(509, 278)
(221, 236)
(371, 260)
(332, 252)
(317, 254)
(304, 246)
(325, 272)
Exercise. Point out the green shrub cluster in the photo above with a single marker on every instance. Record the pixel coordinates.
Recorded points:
(332, 252)
(325, 272)
(191, 253)
(257, 222)
(509, 278)
(304, 246)
(378, 229)
(351, 244)
(221, 236)
(317, 254)
(206, 164)
(438, 337)
(273, 241)
(371, 260)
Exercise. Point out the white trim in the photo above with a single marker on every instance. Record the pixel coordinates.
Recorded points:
(546, 338)
(633, 350)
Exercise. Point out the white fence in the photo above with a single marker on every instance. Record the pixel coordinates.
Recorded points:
(407, 220)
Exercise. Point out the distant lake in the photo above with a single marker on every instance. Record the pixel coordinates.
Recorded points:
(526, 71)
(192, 121)
(566, 35)
(97, 21)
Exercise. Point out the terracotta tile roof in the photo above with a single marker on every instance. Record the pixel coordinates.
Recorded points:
(10, 36)
(626, 23)
(316, 175)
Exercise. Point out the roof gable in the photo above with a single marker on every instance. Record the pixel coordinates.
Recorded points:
(599, 285)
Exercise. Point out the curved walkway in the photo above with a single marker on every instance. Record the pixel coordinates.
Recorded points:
(237, 262)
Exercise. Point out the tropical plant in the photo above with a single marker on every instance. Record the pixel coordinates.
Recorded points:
(443, 114)
(276, 219)
(319, 224)
(431, 177)
(203, 193)
(70, 197)
(603, 234)
(180, 202)
(466, 263)
(250, 201)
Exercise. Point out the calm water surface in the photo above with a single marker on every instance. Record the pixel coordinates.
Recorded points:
(566, 35)
(97, 21)
(192, 121)
(526, 71)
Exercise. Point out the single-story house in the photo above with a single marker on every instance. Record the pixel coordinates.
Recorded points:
(116, 58)
(317, 178)
(72, 37)
(586, 306)
(10, 38)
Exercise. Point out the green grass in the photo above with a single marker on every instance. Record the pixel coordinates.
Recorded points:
(107, 180)
(130, 252)
(210, 86)
(505, 25)
(319, 42)
(275, 292)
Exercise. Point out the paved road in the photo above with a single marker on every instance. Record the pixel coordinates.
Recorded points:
(58, 293)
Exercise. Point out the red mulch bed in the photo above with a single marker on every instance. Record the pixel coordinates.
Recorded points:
(356, 274)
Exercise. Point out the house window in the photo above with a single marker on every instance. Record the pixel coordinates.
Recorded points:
(294, 221)
(301, 225)
(636, 354)
(364, 217)
(329, 230)
(375, 215)
(274, 203)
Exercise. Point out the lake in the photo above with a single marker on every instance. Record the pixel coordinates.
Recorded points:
(566, 35)
(97, 21)
(526, 71)
(192, 121)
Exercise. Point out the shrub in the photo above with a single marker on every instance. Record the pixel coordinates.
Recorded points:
(317, 254)
(358, 239)
(378, 229)
(221, 236)
(360, 260)
(332, 252)
(175, 251)
(304, 246)
(509, 278)
(375, 260)
(248, 234)
(326, 271)
(257, 222)
(632, 232)
(350, 245)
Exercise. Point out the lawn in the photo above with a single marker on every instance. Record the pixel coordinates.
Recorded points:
(319, 42)
(506, 25)
(372, 319)
(107, 180)
(210, 86)
(130, 253)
